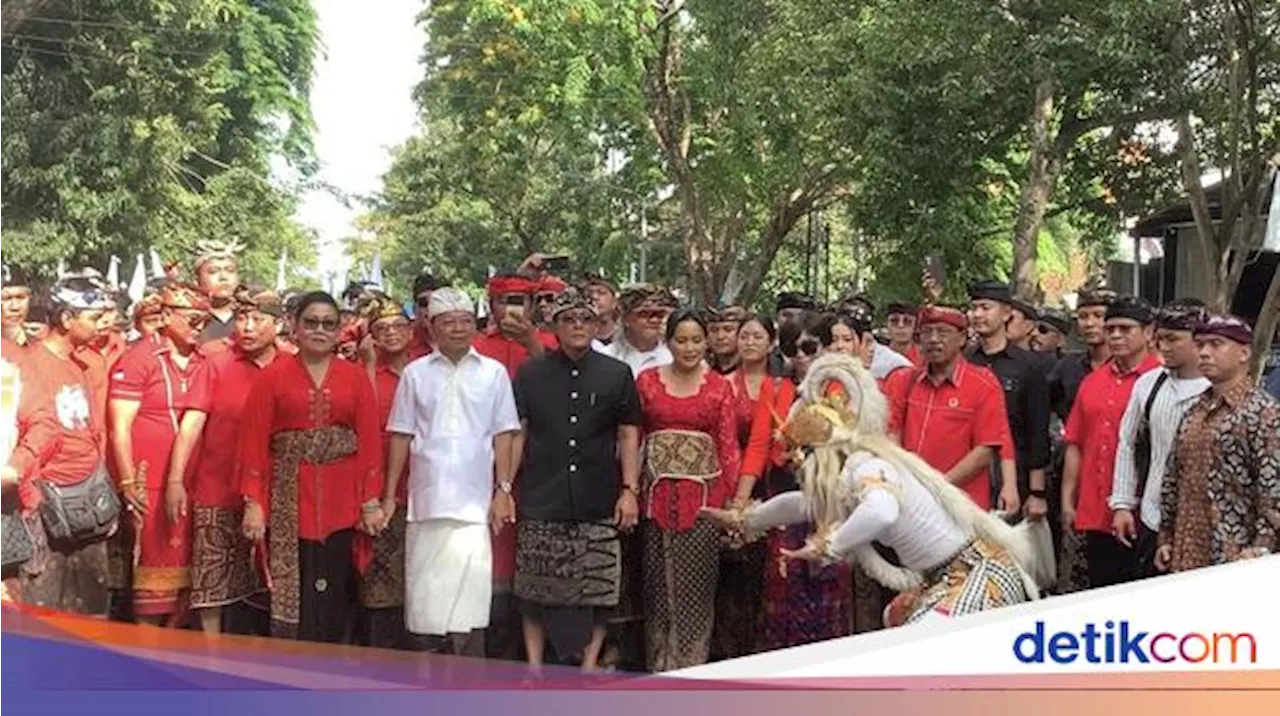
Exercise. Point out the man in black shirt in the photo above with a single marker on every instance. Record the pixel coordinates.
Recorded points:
(579, 487)
(218, 275)
(1026, 391)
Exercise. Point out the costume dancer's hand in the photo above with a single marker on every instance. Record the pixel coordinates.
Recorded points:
(810, 552)
(724, 519)
(1035, 508)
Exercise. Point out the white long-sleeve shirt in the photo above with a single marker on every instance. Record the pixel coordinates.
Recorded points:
(1172, 402)
(895, 511)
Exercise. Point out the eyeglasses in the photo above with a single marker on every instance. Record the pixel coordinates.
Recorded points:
(386, 328)
(545, 298)
(327, 325)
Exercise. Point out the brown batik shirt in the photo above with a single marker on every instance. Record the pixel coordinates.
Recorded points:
(1221, 496)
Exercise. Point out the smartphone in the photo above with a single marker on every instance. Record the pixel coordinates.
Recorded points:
(514, 306)
(556, 264)
(937, 272)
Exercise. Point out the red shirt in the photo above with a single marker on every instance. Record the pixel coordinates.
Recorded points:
(220, 390)
(147, 375)
(943, 423)
(763, 449)
(1094, 427)
(61, 427)
(508, 351)
(511, 354)
(674, 505)
(284, 398)
(385, 380)
(30, 428)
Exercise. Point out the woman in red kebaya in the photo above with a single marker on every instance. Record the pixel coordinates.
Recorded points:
(148, 386)
(222, 571)
(311, 471)
(692, 455)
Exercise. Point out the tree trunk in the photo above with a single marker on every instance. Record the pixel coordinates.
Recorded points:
(1042, 174)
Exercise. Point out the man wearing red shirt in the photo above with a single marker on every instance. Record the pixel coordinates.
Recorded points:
(951, 413)
(60, 439)
(222, 569)
(423, 286)
(382, 590)
(511, 339)
(148, 388)
(1092, 438)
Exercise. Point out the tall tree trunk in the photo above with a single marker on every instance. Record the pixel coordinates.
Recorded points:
(1042, 174)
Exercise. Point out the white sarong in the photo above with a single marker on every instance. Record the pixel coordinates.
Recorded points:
(448, 577)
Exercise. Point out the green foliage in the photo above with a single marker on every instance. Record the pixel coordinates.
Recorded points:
(132, 124)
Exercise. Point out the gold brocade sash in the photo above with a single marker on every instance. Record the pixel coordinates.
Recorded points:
(289, 450)
(688, 455)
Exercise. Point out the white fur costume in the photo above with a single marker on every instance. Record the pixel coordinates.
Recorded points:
(858, 487)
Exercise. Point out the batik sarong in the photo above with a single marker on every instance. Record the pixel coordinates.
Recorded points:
(289, 449)
(681, 568)
(568, 578)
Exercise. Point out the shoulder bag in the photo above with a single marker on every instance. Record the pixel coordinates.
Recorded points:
(83, 512)
(1142, 441)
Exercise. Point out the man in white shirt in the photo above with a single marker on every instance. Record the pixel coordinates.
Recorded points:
(1175, 389)
(644, 309)
(454, 418)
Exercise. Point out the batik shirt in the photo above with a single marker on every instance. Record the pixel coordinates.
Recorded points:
(1220, 500)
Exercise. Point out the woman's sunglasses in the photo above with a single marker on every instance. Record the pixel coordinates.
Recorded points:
(807, 345)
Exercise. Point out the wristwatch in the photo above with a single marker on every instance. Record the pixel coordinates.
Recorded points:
(633, 489)
(1037, 493)
(505, 486)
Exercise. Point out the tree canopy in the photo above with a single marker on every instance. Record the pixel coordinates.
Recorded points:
(138, 124)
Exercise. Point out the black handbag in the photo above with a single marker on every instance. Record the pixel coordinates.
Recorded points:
(83, 512)
(16, 542)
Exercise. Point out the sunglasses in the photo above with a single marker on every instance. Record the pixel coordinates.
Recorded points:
(651, 315)
(327, 325)
(545, 298)
(424, 302)
(1045, 330)
(195, 319)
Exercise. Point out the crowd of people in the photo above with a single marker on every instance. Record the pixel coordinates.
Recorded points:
(604, 477)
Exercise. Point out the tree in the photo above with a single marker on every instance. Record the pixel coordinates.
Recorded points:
(1230, 56)
(132, 124)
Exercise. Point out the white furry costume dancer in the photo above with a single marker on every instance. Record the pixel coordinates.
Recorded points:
(858, 487)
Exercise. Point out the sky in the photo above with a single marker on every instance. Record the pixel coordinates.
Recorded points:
(361, 99)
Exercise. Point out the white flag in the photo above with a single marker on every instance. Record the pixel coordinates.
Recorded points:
(113, 272)
(62, 268)
(157, 268)
(492, 271)
(138, 283)
(375, 269)
(280, 281)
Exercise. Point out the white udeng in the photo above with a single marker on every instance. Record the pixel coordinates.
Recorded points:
(864, 488)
